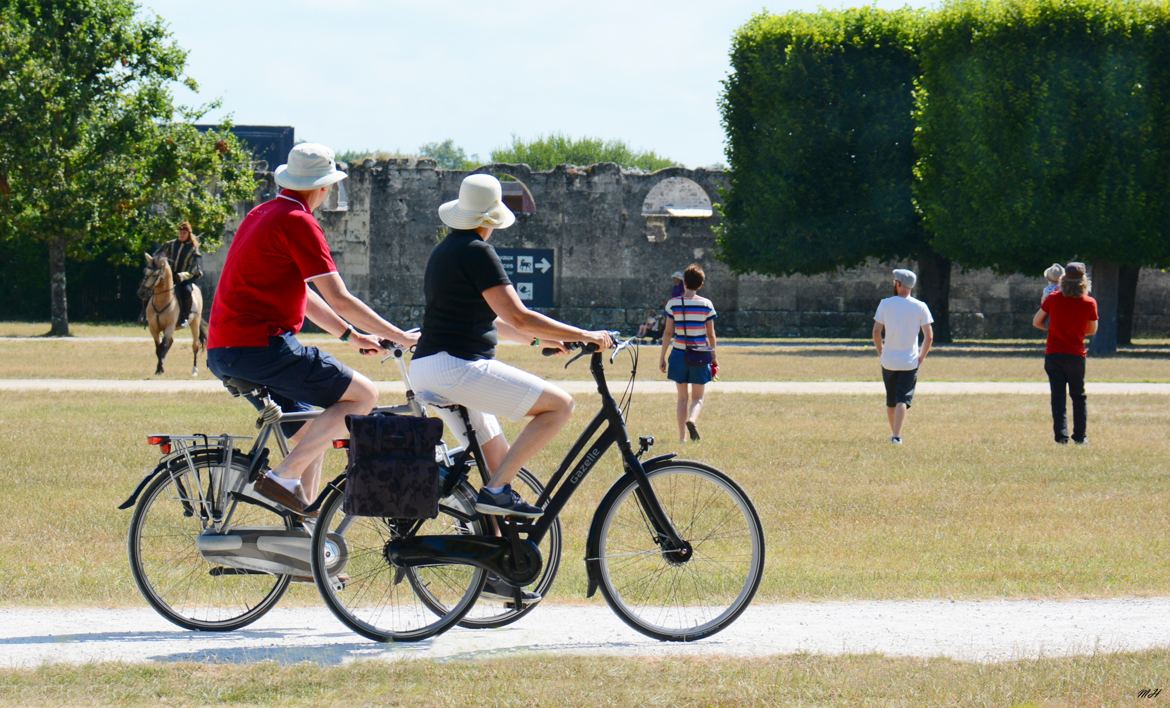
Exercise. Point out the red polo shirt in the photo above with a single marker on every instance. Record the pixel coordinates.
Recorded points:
(1068, 321)
(262, 290)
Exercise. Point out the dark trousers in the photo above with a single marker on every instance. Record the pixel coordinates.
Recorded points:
(183, 292)
(1067, 371)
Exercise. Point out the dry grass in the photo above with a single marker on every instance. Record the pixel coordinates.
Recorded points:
(978, 503)
(132, 357)
(1113, 679)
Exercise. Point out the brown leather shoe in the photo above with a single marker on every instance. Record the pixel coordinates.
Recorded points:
(274, 491)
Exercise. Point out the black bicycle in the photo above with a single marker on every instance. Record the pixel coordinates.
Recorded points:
(675, 546)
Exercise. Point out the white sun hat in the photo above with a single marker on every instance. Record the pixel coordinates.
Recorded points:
(310, 166)
(479, 204)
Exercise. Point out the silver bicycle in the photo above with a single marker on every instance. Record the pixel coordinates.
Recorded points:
(210, 554)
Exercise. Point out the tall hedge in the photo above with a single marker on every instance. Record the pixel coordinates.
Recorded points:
(1043, 135)
(817, 112)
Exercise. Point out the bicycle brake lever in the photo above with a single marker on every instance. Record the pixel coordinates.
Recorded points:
(577, 356)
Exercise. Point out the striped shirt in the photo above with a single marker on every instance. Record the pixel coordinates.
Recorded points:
(690, 315)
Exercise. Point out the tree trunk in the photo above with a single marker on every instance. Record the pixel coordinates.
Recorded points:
(934, 288)
(58, 307)
(1126, 299)
(1105, 289)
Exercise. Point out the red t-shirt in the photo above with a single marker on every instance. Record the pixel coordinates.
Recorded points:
(262, 290)
(1068, 321)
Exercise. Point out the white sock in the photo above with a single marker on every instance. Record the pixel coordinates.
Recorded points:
(289, 484)
(495, 490)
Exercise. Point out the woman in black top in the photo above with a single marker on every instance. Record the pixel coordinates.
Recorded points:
(470, 302)
(186, 266)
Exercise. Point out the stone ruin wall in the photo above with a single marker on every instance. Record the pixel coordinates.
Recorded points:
(612, 263)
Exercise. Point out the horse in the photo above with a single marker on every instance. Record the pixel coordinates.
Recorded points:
(162, 312)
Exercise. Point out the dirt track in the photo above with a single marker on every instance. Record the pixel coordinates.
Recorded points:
(984, 631)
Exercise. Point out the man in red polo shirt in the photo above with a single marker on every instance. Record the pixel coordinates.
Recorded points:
(262, 301)
(1068, 315)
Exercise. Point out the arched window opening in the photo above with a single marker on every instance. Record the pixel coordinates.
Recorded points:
(516, 195)
(679, 198)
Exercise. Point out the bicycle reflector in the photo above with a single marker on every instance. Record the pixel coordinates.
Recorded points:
(341, 444)
(163, 442)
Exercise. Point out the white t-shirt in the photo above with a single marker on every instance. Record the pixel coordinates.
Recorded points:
(903, 318)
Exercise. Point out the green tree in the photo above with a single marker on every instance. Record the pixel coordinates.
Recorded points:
(93, 151)
(546, 152)
(817, 111)
(449, 156)
(1042, 137)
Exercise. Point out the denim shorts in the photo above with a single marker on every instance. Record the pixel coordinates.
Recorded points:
(899, 386)
(298, 377)
(678, 371)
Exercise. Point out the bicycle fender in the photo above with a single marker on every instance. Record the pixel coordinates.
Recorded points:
(659, 458)
(133, 498)
(593, 544)
(167, 463)
(335, 484)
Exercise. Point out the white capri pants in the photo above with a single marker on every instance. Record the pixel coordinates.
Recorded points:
(485, 387)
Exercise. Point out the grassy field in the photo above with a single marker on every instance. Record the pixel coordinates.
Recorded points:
(978, 503)
(562, 681)
(132, 357)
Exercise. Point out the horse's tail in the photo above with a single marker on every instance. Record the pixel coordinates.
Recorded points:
(203, 334)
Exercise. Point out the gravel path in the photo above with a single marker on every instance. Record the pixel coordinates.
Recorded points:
(982, 631)
(762, 387)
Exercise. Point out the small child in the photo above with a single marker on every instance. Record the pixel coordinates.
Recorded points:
(1053, 274)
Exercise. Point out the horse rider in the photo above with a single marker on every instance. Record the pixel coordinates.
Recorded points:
(261, 302)
(186, 267)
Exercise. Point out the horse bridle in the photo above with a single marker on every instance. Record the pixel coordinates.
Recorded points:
(156, 274)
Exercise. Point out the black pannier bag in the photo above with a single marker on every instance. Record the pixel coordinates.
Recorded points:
(392, 469)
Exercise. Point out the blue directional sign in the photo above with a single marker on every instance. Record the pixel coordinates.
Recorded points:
(531, 271)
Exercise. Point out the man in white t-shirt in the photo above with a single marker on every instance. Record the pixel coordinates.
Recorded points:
(902, 317)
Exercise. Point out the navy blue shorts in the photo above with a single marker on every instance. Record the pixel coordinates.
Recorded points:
(298, 377)
(678, 371)
(899, 386)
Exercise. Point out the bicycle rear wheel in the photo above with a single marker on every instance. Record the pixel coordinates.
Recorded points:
(679, 595)
(167, 566)
(491, 613)
(378, 600)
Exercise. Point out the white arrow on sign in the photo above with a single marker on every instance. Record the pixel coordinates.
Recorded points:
(544, 265)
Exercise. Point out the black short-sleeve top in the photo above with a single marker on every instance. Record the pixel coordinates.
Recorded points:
(458, 320)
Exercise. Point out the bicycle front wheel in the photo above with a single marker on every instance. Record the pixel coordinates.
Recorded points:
(688, 594)
(378, 600)
(168, 568)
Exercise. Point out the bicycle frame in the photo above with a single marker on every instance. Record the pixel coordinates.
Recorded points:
(486, 553)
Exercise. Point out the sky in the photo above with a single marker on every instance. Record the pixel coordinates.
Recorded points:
(391, 75)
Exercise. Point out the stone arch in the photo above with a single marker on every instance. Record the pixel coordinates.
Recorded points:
(516, 194)
(677, 197)
(673, 197)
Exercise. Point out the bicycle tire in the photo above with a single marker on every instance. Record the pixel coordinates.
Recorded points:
(372, 597)
(655, 592)
(491, 614)
(171, 574)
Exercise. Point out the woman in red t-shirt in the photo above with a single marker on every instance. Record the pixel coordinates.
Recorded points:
(1068, 315)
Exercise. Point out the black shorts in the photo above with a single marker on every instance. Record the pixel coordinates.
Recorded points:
(899, 386)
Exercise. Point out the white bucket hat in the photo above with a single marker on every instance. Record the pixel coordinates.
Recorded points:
(479, 204)
(310, 166)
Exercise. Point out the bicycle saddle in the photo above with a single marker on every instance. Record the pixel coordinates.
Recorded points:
(239, 387)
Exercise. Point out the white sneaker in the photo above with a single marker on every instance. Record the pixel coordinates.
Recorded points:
(895, 440)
